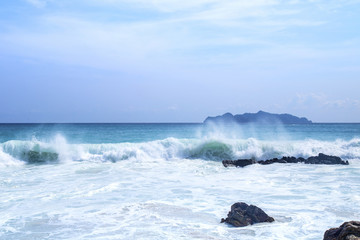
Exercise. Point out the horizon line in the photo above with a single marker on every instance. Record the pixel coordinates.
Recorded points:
(167, 123)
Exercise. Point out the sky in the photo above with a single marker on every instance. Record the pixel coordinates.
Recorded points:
(178, 60)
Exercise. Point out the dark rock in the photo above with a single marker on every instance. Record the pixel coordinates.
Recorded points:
(347, 231)
(301, 159)
(320, 159)
(325, 159)
(40, 157)
(292, 159)
(242, 215)
(238, 163)
(271, 161)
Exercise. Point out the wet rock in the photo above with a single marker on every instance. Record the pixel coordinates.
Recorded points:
(325, 159)
(242, 214)
(320, 159)
(271, 161)
(347, 231)
(238, 163)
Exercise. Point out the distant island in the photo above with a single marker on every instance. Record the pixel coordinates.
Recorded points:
(260, 117)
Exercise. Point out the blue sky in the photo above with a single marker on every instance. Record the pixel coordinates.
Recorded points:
(178, 61)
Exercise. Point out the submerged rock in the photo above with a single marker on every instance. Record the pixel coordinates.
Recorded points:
(242, 215)
(40, 157)
(320, 159)
(347, 231)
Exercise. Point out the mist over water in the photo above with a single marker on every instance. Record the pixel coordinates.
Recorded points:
(166, 181)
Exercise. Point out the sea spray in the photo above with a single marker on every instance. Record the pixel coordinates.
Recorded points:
(163, 181)
(172, 148)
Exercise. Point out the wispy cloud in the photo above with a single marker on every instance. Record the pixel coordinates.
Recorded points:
(323, 101)
(178, 32)
(38, 3)
(235, 51)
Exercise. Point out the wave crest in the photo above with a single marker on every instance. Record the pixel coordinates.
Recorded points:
(58, 149)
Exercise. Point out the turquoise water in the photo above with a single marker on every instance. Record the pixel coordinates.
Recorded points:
(97, 133)
(117, 133)
(166, 181)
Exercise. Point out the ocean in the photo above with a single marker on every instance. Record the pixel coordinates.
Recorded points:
(166, 181)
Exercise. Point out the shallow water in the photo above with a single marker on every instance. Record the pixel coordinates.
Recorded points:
(173, 185)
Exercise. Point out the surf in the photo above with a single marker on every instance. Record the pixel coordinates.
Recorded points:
(214, 149)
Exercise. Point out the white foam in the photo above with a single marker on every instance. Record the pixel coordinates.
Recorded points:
(183, 199)
(171, 148)
(7, 161)
(168, 189)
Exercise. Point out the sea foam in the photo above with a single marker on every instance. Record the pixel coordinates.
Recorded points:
(209, 148)
(174, 187)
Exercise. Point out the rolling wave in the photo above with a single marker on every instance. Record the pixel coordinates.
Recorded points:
(16, 152)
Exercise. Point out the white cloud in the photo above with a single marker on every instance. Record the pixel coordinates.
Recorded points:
(189, 32)
(188, 5)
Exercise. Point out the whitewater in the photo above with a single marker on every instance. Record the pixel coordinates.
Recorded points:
(166, 181)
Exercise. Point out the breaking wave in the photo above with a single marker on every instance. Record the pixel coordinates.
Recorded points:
(16, 152)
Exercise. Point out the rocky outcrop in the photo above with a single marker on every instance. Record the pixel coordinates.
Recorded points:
(320, 159)
(347, 231)
(242, 215)
(325, 159)
(238, 163)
